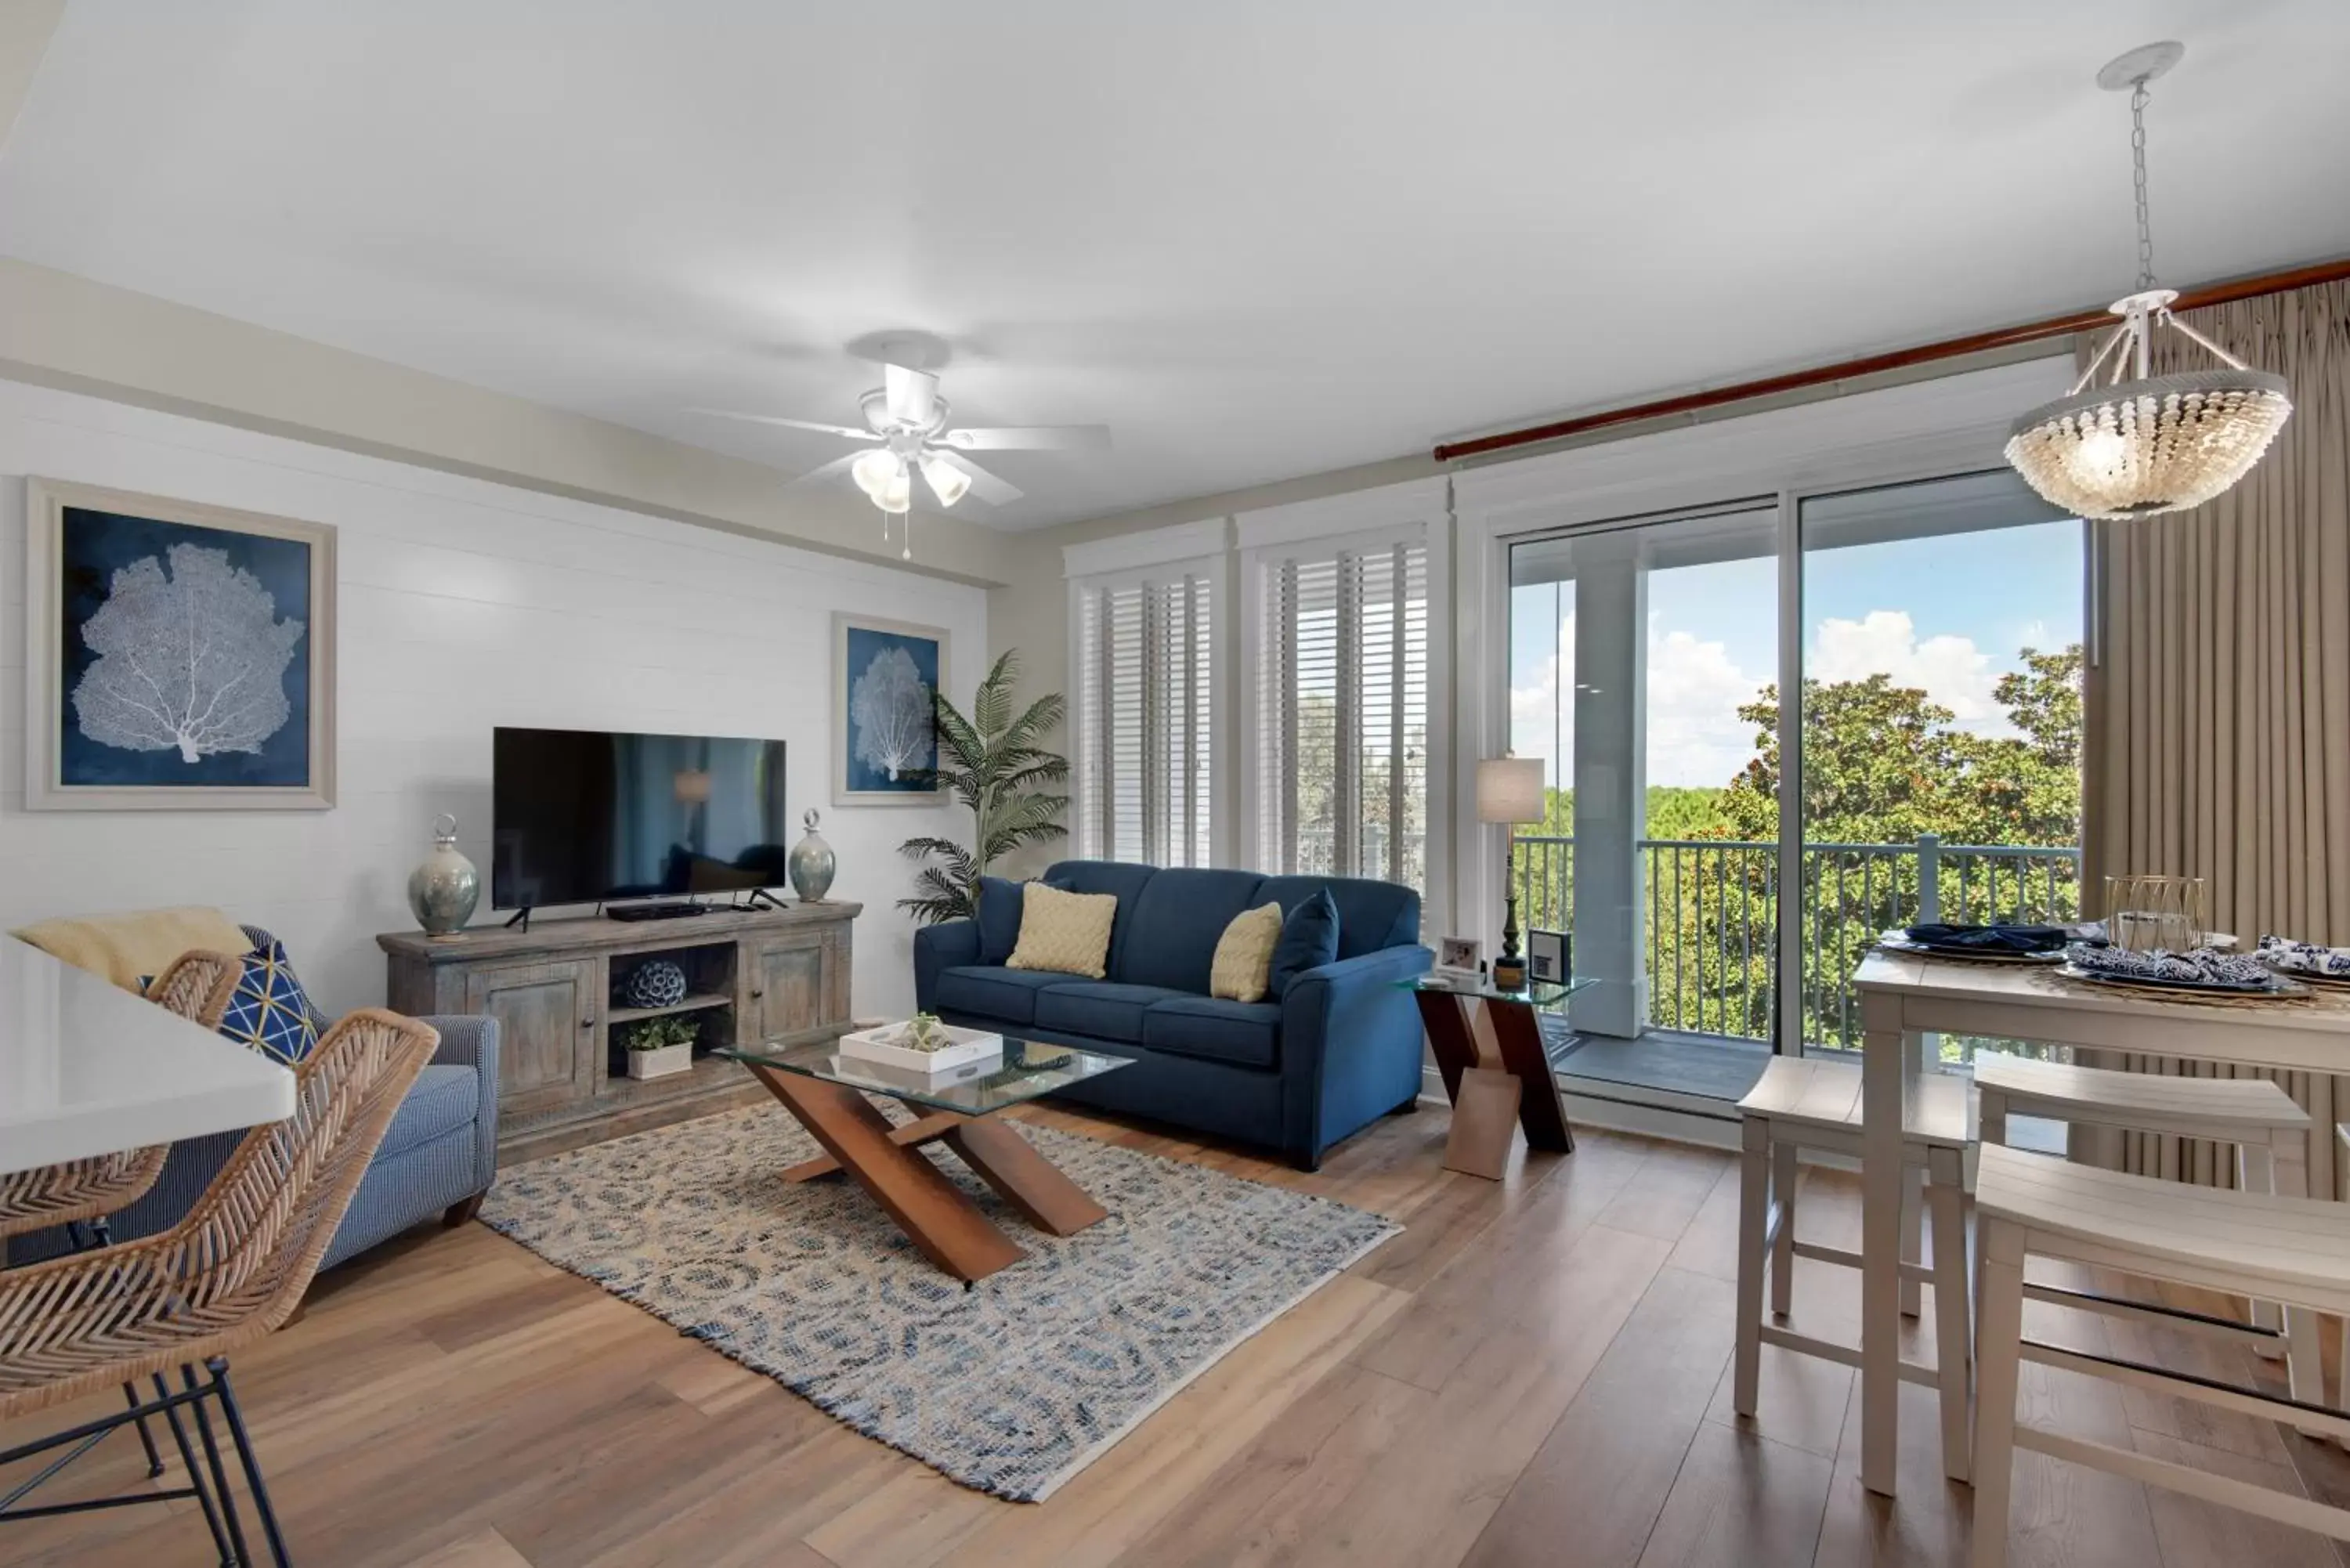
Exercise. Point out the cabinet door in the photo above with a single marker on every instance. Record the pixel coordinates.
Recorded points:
(548, 1044)
(791, 986)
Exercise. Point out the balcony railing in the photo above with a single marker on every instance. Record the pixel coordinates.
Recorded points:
(1711, 907)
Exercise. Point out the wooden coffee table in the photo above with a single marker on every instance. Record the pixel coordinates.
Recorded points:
(1498, 1077)
(827, 1093)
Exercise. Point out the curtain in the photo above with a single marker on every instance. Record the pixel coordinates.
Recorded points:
(2217, 704)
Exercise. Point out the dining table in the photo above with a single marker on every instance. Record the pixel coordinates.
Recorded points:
(87, 1068)
(1905, 996)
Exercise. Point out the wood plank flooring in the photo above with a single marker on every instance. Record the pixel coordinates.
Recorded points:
(1535, 1372)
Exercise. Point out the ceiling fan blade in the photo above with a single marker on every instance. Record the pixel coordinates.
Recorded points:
(1030, 438)
(912, 396)
(983, 485)
(838, 466)
(790, 424)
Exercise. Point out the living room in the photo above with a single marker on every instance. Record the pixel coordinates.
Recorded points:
(1010, 786)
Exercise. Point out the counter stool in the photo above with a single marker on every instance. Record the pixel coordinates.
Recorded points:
(2258, 1245)
(1803, 1103)
(2270, 1135)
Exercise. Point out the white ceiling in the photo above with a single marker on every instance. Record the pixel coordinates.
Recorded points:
(1260, 238)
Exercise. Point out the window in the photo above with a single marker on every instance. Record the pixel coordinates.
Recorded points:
(1145, 718)
(1342, 712)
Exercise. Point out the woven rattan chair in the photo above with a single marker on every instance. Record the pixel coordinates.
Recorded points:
(197, 987)
(227, 1275)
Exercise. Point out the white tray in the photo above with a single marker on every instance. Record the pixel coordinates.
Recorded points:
(968, 1046)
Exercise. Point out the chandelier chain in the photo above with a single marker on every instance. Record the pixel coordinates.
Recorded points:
(2137, 162)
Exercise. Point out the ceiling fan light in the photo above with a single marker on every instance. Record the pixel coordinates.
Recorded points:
(876, 471)
(897, 496)
(2166, 444)
(948, 483)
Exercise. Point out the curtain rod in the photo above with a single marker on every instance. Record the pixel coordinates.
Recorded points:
(1949, 348)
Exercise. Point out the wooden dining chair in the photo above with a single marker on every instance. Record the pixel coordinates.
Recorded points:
(197, 987)
(230, 1273)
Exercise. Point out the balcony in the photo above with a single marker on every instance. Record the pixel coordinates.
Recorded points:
(1709, 910)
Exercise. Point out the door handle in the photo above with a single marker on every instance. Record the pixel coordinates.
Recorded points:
(758, 995)
(588, 1021)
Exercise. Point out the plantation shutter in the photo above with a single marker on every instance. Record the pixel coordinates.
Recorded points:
(1343, 715)
(1146, 699)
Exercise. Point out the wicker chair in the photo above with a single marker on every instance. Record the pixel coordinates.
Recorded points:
(196, 987)
(227, 1275)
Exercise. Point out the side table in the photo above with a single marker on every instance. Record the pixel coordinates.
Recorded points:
(1494, 1091)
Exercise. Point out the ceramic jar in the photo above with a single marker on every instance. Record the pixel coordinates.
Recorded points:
(444, 889)
(812, 865)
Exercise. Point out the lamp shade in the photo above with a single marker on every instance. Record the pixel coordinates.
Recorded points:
(1510, 789)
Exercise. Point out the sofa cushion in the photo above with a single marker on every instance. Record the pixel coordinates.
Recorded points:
(1309, 939)
(999, 919)
(1171, 935)
(1104, 1007)
(269, 1010)
(442, 1100)
(1212, 1029)
(989, 990)
(1371, 915)
(1242, 968)
(1066, 932)
(1123, 878)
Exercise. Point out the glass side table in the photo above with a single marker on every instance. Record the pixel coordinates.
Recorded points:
(1501, 1082)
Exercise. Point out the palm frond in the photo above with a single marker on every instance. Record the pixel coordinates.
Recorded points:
(991, 708)
(990, 762)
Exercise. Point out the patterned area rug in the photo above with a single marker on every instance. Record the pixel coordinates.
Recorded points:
(1011, 1387)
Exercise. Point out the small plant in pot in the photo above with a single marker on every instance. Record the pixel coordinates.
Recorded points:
(659, 1046)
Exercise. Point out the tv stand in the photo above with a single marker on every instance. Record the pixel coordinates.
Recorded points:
(671, 909)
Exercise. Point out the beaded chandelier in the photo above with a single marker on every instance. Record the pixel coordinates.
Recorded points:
(2152, 443)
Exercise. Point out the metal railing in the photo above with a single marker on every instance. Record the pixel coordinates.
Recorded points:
(1709, 910)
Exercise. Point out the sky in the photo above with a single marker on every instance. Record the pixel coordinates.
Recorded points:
(1950, 614)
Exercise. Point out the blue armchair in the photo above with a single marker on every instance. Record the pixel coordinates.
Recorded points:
(1338, 1048)
(438, 1157)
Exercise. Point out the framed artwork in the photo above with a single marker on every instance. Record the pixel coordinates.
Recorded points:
(1547, 955)
(1460, 958)
(178, 657)
(885, 733)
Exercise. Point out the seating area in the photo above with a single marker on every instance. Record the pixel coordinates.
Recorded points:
(1303, 786)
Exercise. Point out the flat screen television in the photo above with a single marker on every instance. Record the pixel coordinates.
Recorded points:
(581, 816)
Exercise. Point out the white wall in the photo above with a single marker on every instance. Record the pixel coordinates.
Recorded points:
(464, 604)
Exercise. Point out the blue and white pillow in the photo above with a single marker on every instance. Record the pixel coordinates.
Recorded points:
(269, 1011)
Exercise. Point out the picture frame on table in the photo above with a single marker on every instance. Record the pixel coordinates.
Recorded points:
(884, 736)
(178, 656)
(1460, 960)
(1549, 956)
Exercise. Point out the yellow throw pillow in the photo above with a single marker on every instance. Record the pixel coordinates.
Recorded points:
(1241, 969)
(124, 947)
(1066, 932)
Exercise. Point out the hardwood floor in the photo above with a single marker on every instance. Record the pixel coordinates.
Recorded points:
(1535, 1372)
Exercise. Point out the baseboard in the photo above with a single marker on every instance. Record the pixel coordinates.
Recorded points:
(1617, 1113)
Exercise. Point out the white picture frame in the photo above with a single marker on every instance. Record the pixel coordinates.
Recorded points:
(855, 779)
(1457, 958)
(53, 760)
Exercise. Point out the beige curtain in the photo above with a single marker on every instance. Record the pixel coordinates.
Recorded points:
(2218, 701)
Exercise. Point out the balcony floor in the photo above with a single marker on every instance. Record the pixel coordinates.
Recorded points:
(1708, 1067)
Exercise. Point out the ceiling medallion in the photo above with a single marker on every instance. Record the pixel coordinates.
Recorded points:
(2151, 444)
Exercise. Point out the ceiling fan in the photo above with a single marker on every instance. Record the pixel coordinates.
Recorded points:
(908, 434)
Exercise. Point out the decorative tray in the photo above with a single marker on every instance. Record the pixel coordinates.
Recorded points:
(887, 1045)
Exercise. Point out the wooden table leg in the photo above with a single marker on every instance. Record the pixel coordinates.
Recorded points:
(1517, 1032)
(1446, 1020)
(911, 1135)
(1889, 1068)
(1485, 1120)
(1025, 1178)
(950, 1229)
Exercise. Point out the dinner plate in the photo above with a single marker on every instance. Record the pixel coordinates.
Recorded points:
(2312, 977)
(1895, 943)
(2276, 985)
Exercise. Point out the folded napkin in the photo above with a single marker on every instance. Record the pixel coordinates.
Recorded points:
(2304, 958)
(1990, 938)
(2208, 966)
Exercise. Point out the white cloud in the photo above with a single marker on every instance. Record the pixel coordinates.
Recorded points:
(1540, 725)
(1950, 671)
(1695, 735)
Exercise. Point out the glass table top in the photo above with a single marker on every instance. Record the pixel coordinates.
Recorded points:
(1537, 992)
(1028, 1069)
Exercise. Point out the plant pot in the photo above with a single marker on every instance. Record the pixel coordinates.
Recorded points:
(662, 1063)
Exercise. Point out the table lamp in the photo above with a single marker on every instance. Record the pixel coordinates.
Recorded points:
(1510, 792)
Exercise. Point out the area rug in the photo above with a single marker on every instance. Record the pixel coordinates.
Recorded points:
(1011, 1386)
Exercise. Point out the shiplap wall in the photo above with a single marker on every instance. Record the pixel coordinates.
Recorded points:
(464, 605)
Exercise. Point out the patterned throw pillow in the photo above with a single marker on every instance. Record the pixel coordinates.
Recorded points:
(269, 1012)
(1064, 932)
(1243, 966)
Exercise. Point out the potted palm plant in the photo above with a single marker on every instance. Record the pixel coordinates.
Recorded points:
(993, 763)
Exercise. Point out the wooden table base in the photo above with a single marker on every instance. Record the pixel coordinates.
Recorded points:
(1494, 1090)
(951, 1231)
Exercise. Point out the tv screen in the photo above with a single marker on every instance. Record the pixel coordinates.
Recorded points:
(580, 816)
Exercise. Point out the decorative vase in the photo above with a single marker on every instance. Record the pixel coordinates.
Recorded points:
(444, 887)
(656, 982)
(812, 865)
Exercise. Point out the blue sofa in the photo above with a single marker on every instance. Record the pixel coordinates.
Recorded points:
(1339, 1048)
(438, 1157)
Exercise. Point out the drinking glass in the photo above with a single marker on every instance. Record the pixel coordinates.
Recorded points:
(2146, 913)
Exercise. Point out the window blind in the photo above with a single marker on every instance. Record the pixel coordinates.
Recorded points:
(1342, 746)
(1146, 711)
